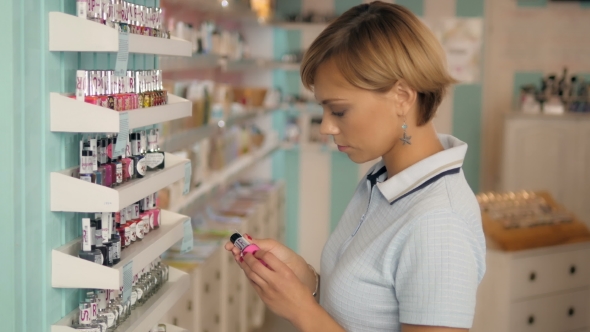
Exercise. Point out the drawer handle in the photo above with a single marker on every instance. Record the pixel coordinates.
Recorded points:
(231, 300)
(533, 276)
(573, 269)
(190, 306)
(571, 311)
(531, 320)
(174, 321)
(206, 288)
(217, 275)
(216, 319)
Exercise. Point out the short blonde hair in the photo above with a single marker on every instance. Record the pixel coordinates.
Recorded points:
(375, 45)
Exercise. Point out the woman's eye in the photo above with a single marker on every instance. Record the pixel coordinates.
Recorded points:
(338, 114)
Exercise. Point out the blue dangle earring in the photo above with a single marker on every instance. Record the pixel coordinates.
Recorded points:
(406, 139)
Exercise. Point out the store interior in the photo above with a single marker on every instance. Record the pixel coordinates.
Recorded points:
(137, 141)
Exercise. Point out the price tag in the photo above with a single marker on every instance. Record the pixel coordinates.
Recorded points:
(123, 137)
(127, 280)
(187, 240)
(123, 54)
(188, 169)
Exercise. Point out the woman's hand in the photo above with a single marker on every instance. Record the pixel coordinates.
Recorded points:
(277, 285)
(295, 262)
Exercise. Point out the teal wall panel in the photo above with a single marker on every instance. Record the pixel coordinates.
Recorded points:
(467, 101)
(343, 181)
(292, 173)
(340, 6)
(469, 8)
(532, 3)
(8, 241)
(523, 78)
(416, 6)
(285, 41)
(288, 82)
(287, 7)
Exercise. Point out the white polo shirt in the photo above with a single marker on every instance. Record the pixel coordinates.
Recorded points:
(409, 249)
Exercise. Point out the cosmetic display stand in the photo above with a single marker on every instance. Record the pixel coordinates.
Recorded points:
(145, 317)
(68, 33)
(70, 115)
(228, 173)
(70, 271)
(70, 194)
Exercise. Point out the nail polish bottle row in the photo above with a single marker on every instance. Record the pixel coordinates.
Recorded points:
(137, 89)
(99, 165)
(124, 16)
(104, 310)
(136, 221)
(101, 243)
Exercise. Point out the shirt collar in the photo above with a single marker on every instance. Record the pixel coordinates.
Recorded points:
(424, 172)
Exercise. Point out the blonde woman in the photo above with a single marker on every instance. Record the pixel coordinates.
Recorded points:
(409, 251)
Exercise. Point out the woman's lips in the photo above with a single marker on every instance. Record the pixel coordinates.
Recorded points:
(342, 148)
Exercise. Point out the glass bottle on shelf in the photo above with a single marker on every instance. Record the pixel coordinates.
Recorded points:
(155, 159)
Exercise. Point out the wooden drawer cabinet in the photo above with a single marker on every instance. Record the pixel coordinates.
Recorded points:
(538, 290)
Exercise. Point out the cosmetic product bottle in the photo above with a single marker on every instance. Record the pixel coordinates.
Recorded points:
(102, 320)
(116, 241)
(132, 226)
(105, 163)
(89, 251)
(133, 297)
(85, 316)
(243, 244)
(154, 158)
(100, 245)
(86, 172)
(138, 157)
(82, 9)
(101, 298)
(110, 316)
(129, 160)
(118, 170)
(115, 310)
(116, 304)
(139, 224)
(126, 306)
(93, 301)
(132, 89)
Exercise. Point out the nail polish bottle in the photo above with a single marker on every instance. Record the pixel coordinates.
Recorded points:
(110, 316)
(129, 164)
(139, 224)
(99, 173)
(82, 9)
(131, 225)
(86, 172)
(139, 88)
(154, 158)
(138, 158)
(89, 251)
(132, 89)
(106, 223)
(145, 215)
(118, 167)
(84, 317)
(105, 163)
(100, 245)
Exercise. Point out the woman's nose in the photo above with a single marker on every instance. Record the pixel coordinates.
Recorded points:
(328, 127)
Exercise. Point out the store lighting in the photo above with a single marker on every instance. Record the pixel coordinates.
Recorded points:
(224, 3)
(221, 124)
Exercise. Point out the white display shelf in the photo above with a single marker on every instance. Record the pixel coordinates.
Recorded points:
(70, 194)
(68, 33)
(70, 115)
(70, 271)
(149, 314)
(221, 177)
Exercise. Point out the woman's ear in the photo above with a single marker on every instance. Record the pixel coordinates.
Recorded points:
(404, 97)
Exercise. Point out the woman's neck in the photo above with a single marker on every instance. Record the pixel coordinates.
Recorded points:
(424, 143)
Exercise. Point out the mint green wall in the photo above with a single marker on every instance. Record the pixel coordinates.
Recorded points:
(29, 230)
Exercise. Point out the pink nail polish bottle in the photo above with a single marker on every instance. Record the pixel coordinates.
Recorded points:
(241, 243)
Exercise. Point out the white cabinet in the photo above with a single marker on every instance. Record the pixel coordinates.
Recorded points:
(538, 290)
(552, 153)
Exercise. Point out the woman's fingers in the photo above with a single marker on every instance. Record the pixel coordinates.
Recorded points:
(254, 276)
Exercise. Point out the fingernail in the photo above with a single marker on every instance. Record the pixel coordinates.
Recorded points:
(254, 252)
(241, 260)
(248, 236)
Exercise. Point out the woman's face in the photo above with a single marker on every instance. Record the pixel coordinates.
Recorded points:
(365, 125)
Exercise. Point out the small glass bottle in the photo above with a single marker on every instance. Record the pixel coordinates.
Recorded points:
(103, 321)
(86, 172)
(89, 251)
(133, 296)
(110, 316)
(138, 157)
(116, 305)
(155, 159)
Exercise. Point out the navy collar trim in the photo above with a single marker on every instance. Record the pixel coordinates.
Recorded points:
(429, 182)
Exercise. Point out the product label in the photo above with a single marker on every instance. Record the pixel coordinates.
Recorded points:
(98, 237)
(82, 8)
(154, 159)
(129, 212)
(131, 168)
(85, 317)
(141, 167)
(146, 223)
(109, 150)
(103, 325)
(81, 79)
(139, 229)
(152, 225)
(135, 211)
(101, 296)
(120, 309)
(139, 293)
(133, 297)
(99, 259)
(133, 232)
(187, 239)
(110, 318)
(127, 236)
(119, 173)
(127, 280)
(123, 53)
(118, 250)
(94, 310)
(241, 243)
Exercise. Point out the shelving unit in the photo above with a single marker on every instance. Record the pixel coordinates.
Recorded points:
(172, 328)
(145, 317)
(68, 33)
(189, 137)
(70, 115)
(228, 173)
(70, 271)
(70, 194)
(196, 62)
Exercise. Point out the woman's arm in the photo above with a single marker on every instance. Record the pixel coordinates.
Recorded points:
(285, 294)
